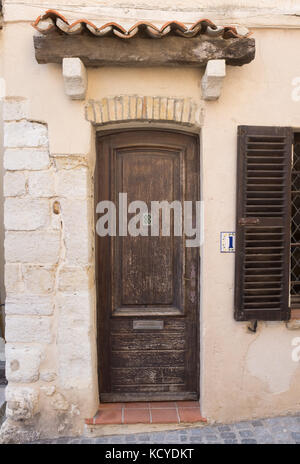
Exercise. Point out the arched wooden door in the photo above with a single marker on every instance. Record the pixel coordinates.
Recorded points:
(147, 286)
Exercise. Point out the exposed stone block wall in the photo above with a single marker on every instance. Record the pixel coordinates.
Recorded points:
(48, 279)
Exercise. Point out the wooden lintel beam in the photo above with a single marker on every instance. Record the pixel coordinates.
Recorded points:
(143, 52)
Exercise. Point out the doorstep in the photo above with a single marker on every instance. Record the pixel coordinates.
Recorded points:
(143, 416)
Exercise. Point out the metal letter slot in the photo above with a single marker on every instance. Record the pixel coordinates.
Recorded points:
(148, 325)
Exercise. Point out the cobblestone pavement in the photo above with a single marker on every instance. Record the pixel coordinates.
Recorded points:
(278, 430)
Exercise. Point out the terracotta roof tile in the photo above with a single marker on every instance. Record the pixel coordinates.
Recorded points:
(52, 20)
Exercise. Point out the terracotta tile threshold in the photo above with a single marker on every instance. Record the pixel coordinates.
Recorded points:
(173, 412)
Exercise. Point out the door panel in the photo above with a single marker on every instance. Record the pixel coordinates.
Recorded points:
(147, 286)
(147, 269)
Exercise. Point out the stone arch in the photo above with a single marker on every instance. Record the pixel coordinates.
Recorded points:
(129, 108)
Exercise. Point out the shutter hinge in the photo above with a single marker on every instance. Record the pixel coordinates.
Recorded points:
(248, 221)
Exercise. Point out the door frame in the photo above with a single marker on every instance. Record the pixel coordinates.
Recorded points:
(114, 129)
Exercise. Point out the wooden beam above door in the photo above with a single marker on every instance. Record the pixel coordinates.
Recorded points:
(143, 52)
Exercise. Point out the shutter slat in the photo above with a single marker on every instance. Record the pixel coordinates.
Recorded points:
(262, 247)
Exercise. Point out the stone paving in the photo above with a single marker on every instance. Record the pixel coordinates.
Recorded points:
(277, 430)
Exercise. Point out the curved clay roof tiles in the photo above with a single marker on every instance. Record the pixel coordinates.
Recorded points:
(52, 20)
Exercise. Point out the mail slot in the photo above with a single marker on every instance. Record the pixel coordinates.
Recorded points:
(148, 325)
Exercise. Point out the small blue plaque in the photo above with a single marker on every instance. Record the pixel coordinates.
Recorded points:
(227, 242)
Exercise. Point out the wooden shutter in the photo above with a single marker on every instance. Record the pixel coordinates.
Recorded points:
(263, 223)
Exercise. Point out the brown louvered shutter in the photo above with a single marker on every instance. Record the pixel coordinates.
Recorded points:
(263, 223)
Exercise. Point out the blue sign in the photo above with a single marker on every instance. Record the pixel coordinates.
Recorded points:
(227, 242)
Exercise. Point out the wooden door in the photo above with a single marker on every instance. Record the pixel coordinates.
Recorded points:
(147, 286)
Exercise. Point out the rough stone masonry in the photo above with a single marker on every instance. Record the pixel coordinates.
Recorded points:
(48, 275)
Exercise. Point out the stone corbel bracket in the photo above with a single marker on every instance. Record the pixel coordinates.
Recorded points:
(75, 78)
(212, 79)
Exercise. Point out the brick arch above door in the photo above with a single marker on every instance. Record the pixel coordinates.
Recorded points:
(129, 108)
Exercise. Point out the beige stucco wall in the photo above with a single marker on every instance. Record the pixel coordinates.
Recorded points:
(2, 290)
(251, 12)
(243, 375)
